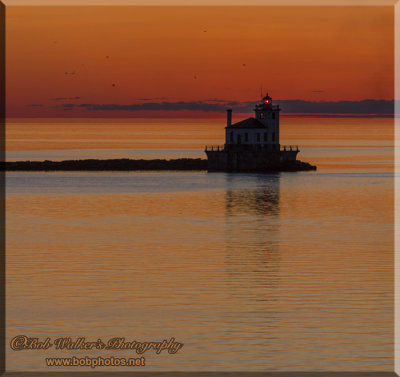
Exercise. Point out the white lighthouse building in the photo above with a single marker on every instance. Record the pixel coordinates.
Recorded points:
(252, 144)
(261, 131)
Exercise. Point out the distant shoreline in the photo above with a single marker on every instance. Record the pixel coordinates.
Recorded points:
(125, 164)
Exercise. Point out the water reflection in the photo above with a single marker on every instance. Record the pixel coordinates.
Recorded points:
(252, 233)
(250, 272)
(260, 199)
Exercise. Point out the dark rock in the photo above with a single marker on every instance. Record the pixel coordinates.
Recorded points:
(125, 164)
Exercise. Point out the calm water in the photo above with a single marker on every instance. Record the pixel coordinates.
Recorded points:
(290, 271)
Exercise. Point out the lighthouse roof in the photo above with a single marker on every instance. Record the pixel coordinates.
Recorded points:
(249, 123)
(267, 97)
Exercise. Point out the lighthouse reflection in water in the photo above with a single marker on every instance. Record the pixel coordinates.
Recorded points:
(260, 256)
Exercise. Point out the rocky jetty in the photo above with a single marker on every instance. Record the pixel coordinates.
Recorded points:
(123, 164)
(296, 166)
(126, 164)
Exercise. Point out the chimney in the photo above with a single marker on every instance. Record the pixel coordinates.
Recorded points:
(228, 117)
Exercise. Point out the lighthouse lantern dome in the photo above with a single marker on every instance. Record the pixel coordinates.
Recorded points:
(267, 99)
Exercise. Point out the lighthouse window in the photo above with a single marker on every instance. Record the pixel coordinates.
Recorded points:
(273, 115)
(273, 136)
(246, 137)
(265, 136)
(258, 137)
(239, 139)
(261, 115)
(231, 136)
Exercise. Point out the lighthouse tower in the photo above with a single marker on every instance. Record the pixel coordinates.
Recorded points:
(268, 115)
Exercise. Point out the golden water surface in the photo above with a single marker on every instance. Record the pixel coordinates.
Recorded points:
(290, 271)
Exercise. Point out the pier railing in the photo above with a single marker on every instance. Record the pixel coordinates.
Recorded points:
(284, 148)
(293, 148)
(214, 148)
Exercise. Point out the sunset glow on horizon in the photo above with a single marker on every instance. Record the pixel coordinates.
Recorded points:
(97, 61)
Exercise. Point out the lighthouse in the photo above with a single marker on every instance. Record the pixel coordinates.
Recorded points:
(262, 131)
(253, 143)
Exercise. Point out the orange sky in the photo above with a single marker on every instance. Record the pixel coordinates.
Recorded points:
(131, 55)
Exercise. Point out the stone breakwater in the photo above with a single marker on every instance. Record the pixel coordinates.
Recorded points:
(122, 164)
(135, 165)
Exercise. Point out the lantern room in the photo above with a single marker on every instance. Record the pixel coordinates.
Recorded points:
(267, 102)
